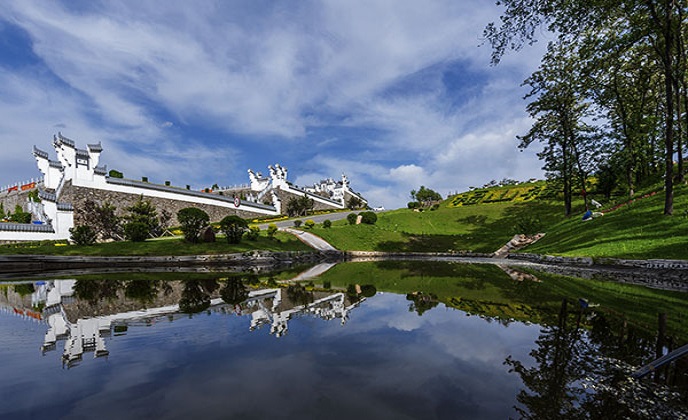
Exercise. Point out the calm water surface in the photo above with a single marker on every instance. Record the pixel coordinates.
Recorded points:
(87, 349)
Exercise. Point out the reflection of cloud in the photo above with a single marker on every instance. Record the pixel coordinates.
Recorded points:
(385, 362)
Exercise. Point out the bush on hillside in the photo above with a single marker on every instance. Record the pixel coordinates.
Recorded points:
(351, 218)
(272, 230)
(309, 224)
(253, 233)
(368, 217)
(234, 227)
(136, 231)
(327, 223)
(297, 223)
(192, 221)
(83, 235)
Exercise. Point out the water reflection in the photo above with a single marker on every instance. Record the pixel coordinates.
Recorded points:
(584, 373)
(80, 313)
(426, 341)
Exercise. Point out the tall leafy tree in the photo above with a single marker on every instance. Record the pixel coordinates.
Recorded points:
(560, 114)
(659, 23)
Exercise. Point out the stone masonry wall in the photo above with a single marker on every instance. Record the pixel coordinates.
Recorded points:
(10, 201)
(78, 195)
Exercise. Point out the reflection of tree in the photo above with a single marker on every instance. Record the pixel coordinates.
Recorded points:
(234, 291)
(94, 291)
(299, 295)
(559, 365)
(196, 295)
(421, 302)
(586, 377)
(145, 291)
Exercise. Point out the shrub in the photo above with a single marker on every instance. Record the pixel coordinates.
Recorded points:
(136, 231)
(297, 223)
(368, 217)
(142, 211)
(413, 205)
(253, 233)
(115, 174)
(83, 235)
(528, 225)
(351, 218)
(272, 230)
(327, 223)
(309, 223)
(192, 221)
(434, 207)
(20, 216)
(233, 227)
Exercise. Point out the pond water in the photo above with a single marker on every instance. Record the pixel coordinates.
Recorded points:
(361, 340)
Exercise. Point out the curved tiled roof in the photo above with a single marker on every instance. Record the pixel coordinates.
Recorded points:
(39, 153)
(25, 227)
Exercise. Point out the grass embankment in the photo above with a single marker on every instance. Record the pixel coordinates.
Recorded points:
(487, 291)
(484, 220)
(162, 247)
(636, 230)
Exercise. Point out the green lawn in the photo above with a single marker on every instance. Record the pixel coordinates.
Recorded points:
(488, 291)
(163, 246)
(637, 230)
(478, 228)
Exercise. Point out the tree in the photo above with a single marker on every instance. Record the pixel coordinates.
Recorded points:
(299, 206)
(233, 227)
(354, 203)
(83, 235)
(425, 196)
(560, 111)
(102, 218)
(272, 230)
(192, 221)
(136, 231)
(143, 211)
(658, 24)
(20, 216)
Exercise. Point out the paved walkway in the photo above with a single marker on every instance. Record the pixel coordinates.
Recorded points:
(311, 240)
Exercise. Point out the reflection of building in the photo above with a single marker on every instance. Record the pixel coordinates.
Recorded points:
(327, 308)
(73, 326)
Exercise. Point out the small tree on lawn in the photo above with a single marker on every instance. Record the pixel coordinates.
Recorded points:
(83, 235)
(272, 230)
(368, 217)
(233, 227)
(192, 221)
(351, 218)
(425, 196)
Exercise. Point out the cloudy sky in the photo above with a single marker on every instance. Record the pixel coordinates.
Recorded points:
(396, 94)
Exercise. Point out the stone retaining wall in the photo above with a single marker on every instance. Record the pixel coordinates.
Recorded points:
(77, 196)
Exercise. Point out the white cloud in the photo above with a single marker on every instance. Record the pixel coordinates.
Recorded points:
(188, 90)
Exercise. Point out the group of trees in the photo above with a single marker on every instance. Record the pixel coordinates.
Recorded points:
(424, 197)
(611, 94)
(102, 222)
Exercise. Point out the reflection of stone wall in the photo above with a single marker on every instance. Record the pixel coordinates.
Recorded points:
(78, 195)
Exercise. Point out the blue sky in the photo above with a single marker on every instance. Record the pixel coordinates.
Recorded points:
(396, 94)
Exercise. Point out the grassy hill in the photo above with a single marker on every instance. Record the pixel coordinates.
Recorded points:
(485, 219)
